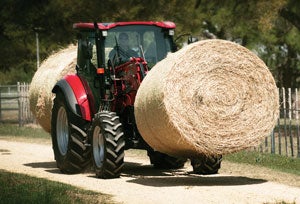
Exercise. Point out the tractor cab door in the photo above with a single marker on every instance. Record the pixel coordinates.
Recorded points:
(87, 58)
(87, 63)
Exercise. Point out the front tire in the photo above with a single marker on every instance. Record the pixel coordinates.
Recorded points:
(108, 145)
(68, 138)
(206, 165)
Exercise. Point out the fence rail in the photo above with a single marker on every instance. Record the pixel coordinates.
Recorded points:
(284, 139)
(14, 104)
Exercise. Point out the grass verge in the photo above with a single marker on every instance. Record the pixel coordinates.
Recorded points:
(272, 161)
(13, 130)
(19, 188)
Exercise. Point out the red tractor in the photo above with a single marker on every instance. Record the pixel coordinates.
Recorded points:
(93, 113)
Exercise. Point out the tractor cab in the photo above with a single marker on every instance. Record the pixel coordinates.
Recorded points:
(99, 43)
(105, 48)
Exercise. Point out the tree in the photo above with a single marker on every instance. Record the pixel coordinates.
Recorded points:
(268, 27)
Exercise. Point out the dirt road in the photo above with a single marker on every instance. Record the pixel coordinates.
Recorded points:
(140, 183)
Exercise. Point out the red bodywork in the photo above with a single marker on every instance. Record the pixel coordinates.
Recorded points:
(80, 93)
(107, 26)
(128, 78)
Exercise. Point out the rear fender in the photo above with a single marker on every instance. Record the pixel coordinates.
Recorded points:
(75, 94)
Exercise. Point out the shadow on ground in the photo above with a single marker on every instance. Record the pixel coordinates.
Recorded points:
(191, 180)
(147, 175)
(5, 152)
(49, 166)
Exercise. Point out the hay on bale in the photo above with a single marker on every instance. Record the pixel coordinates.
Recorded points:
(43, 81)
(212, 97)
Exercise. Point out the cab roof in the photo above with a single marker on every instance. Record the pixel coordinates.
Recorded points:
(107, 26)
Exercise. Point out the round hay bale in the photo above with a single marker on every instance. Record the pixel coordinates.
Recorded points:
(51, 70)
(212, 97)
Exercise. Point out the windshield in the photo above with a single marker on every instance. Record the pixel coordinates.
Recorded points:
(151, 42)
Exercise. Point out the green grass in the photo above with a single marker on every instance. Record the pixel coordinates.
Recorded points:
(272, 161)
(13, 130)
(19, 188)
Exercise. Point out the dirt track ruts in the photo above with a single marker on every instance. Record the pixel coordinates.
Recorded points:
(140, 183)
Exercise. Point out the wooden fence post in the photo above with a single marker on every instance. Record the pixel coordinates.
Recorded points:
(0, 105)
(290, 120)
(284, 118)
(297, 119)
(279, 132)
(19, 105)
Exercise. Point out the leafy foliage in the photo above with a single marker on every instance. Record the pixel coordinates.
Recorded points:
(268, 27)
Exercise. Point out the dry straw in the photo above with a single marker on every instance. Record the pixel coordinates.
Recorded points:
(43, 81)
(211, 97)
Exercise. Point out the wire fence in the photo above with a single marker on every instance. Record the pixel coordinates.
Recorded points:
(284, 139)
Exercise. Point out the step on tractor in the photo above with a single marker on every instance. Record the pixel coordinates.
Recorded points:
(93, 110)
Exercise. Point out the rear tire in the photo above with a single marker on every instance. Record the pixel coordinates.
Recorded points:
(164, 161)
(206, 165)
(108, 145)
(68, 138)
